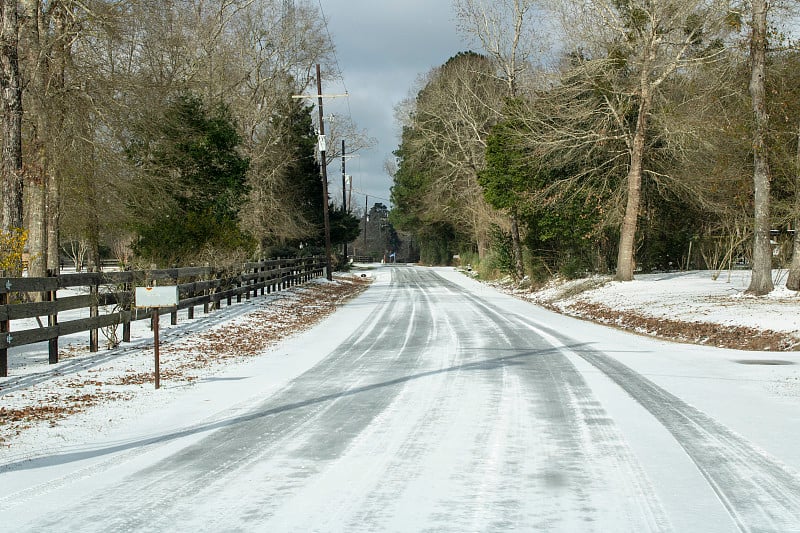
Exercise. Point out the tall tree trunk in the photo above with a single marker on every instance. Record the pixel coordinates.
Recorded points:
(93, 221)
(761, 280)
(627, 234)
(61, 58)
(53, 214)
(11, 89)
(793, 279)
(36, 160)
(36, 206)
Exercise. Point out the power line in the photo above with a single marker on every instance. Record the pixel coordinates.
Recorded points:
(370, 195)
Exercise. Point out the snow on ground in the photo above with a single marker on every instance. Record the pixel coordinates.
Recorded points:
(689, 296)
(234, 372)
(681, 303)
(44, 406)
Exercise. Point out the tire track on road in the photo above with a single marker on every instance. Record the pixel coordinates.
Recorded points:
(565, 468)
(760, 493)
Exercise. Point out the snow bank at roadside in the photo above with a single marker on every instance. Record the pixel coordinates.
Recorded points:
(686, 306)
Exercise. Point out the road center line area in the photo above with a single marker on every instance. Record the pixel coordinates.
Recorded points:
(434, 403)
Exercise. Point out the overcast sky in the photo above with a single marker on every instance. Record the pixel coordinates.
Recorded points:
(382, 47)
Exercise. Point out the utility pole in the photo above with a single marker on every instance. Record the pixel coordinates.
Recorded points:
(350, 193)
(324, 164)
(366, 219)
(344, 196)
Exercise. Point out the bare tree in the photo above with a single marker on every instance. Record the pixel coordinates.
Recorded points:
(625, 51)
(96, 74)
(793, 279)
(505, 31)
(290, 41)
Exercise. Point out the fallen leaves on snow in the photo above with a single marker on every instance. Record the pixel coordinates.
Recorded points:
(184, 361)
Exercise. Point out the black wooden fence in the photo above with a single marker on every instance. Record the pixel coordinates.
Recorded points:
(197, 286)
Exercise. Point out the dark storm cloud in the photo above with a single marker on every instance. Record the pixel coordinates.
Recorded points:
(383, 47)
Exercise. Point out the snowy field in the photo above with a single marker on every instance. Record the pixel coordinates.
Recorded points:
(745, 405)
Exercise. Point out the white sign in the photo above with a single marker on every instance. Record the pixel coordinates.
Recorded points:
(157, 296)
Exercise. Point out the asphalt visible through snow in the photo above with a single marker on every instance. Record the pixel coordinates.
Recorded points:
(445, 412)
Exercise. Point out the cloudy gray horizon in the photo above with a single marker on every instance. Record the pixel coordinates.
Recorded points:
(382, 49)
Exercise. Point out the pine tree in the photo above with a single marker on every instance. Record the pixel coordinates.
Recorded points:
(195, 166)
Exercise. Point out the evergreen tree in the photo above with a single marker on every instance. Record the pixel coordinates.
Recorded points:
(304, 171)
(344, 226)
(197, 183)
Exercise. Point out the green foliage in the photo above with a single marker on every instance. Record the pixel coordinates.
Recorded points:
(197, 148)
(170, 242)
(502, 256)
(303, 171)
(411, 181)
(558, 223)
(436, 244)
(668, 223)
(507, 175)
(344, 226)
(381, 238)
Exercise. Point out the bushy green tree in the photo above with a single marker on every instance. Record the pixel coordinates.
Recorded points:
(196, 179)
(344, 226)
(303, 172)
(557, 226)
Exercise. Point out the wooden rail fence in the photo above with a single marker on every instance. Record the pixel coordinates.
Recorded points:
(196, 286)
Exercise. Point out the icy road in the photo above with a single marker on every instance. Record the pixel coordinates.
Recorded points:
(433, 403)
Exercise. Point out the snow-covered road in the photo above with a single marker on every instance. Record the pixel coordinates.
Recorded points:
(434, 403)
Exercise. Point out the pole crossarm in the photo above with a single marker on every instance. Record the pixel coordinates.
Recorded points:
(345, 95)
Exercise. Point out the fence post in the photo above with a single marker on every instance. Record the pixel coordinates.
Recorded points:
(262, 278)
(127, 311)
(94, 312)
(192, 294)
(173, 316)
(5, 328)
(52, 322)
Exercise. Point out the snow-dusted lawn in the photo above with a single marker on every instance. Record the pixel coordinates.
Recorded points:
(44, 405)
(697, 296)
